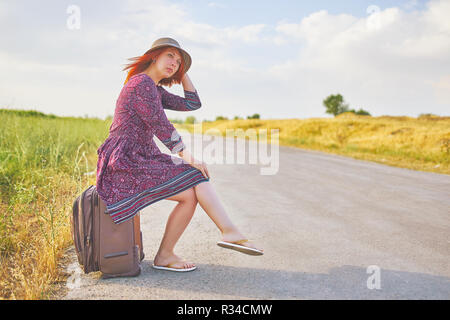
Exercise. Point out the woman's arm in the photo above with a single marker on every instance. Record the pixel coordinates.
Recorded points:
(186, 156)
(188, 86)
(200, 165)
(145, 105)
(187, 83)
(190, 102)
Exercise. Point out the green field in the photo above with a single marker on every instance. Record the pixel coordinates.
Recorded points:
(43, 165)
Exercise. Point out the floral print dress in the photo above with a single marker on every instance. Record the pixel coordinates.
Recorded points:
(132, 172)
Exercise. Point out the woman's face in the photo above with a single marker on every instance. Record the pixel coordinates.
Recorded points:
(168, 62)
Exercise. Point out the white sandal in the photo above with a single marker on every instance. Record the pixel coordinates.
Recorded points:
(170, 267)
(237, 245)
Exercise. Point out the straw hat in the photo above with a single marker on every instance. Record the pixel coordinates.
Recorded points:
(169, 42)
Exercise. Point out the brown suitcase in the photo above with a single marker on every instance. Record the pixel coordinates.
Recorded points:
(101, 245)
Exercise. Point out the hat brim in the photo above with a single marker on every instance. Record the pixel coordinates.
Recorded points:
(186, 57)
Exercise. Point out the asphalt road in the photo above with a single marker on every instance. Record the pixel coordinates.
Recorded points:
(331, 227)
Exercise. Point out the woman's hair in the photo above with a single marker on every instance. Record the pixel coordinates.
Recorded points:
(143, 62)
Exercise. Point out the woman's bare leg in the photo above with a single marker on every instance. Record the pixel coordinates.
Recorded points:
(181, 215)
(177, 222)
(210, 203)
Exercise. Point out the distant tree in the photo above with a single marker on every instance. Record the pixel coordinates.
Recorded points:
(427, 115)
(254, 116)
(190, 119)
(363, 112)
(236, 118)
(221, 118)
(335, 104)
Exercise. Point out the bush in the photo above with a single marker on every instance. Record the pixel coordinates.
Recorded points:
(190, 120)
(360, 112)
(254, 116)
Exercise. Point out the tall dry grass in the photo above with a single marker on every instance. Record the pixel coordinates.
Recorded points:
(43, 165)
(416, 143)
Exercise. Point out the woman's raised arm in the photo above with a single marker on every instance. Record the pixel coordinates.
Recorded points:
(190, 102)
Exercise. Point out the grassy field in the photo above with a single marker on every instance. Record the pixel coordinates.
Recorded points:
(416, 143)
(43, 166)
(46, 161)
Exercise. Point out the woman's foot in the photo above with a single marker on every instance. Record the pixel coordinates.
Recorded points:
(163, 260)
(235, 236)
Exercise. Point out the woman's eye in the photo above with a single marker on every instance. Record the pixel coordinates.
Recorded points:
(171, 55)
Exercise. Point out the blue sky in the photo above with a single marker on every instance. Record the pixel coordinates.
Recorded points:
(279, 59)
(240, 13)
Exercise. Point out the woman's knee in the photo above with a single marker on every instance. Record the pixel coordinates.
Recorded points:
(186, 196)
(190, 196)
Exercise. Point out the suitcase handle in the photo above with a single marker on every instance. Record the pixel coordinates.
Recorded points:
(115, 254)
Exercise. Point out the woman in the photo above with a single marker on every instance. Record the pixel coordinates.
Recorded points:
(132, 173)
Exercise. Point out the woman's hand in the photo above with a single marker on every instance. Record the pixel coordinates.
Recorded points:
(186, 156)
(187, 83)
(200, 165)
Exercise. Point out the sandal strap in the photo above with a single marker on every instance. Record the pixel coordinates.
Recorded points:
(241, 241)
(171, 265)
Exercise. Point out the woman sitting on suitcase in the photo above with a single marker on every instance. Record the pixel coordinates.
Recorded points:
(133, 173)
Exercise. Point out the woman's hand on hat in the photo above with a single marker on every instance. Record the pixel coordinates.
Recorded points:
(187, 83)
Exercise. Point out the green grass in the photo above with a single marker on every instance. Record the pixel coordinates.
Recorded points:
(43, 165)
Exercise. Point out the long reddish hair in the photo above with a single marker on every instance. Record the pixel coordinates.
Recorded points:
(143, 62)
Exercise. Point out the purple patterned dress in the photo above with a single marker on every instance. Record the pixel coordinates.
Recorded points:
(132, 172)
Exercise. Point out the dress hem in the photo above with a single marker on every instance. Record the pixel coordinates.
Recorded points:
(128, 208)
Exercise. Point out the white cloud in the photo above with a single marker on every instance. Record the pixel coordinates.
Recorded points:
(389, 62)
(216, 5)
(173, 19)
(3, 9)
(442, 89)
(411, 4)
(436, 17)
(316, 28)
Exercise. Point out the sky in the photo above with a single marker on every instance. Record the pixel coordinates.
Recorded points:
(278, 59)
